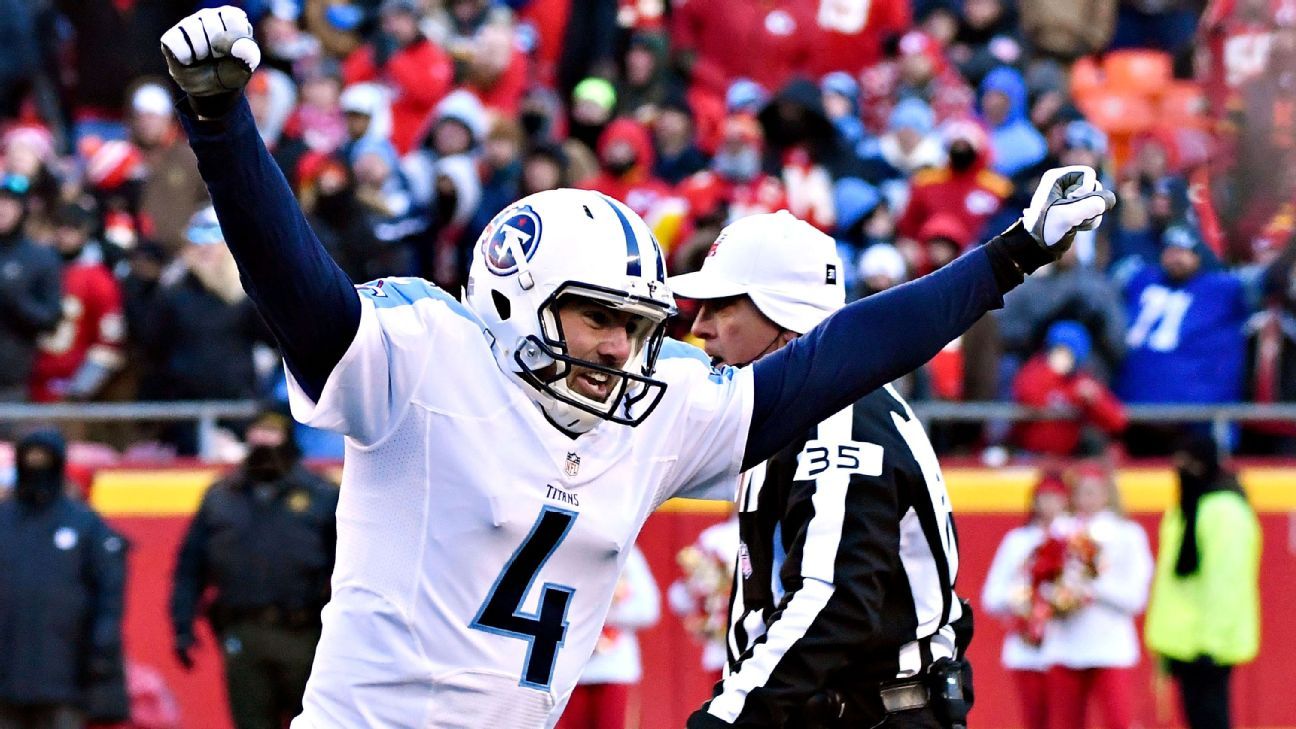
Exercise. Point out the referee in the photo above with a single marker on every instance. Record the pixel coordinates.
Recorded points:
(843, 611)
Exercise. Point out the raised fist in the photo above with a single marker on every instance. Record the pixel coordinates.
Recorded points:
(1068, 199)
(211, 52)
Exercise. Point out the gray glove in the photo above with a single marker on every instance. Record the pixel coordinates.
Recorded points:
(211, 52)
(1068, 199)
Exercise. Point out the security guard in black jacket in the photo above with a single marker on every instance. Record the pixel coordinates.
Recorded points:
(843, 612)
(62, 584)
(264, 538)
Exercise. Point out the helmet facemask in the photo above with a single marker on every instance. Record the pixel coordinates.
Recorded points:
(545, 361)
(595, 249)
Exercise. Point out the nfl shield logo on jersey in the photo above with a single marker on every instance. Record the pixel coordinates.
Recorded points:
(573, 464)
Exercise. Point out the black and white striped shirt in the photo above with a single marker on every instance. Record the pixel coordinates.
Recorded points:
(846, 568)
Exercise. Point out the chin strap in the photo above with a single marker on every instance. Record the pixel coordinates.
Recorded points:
(771, 347)
(569, 419)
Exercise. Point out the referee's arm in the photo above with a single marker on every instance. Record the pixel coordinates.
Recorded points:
(830, 613)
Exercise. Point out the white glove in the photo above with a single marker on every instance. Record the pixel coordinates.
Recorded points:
(211, 52)
(1068, 199)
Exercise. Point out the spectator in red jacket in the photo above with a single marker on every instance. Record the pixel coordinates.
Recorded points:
(417, 70)
(965, 187)
(625, 155)
(496, 70)
(941, 239)
(724, 40)
(733, 187)
(852, 33)
(1054, 380)
(77, 359)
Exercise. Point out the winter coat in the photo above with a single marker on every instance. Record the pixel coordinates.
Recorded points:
(30, 304)
(1016, 143)
(1039, 386)
(1185, 339)
(1215, 611)
(420, 74)
(1077, 293)
(62, 576)
(203, 344)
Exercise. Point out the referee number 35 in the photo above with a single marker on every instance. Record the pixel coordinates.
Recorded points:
(850, 457)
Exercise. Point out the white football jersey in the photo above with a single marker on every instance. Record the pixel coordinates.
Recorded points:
(478, 546)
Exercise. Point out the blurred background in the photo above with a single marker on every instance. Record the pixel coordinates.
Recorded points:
(910, 130)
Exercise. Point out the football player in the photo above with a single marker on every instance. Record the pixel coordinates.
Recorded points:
(503, 451)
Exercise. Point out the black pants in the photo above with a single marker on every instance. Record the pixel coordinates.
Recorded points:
(1204, 691)
(265, 672)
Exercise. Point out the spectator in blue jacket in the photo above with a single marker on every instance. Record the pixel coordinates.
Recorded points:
(1016, 143)
(1185, 340)
(841, 102)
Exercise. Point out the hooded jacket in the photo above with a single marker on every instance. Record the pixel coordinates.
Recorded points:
(808, 127)
(637, 187)
(420, 74)
(1016, 143)
(62, 575)
(974, 194)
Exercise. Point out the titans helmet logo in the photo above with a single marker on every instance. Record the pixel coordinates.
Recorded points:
(516, 231)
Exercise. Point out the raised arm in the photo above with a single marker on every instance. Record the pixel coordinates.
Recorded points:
(875, 340)
(868, 344)
(308, 302)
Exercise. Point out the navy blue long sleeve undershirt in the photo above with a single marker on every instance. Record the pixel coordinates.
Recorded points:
(867, 344)
(314, 311)
(308, 302)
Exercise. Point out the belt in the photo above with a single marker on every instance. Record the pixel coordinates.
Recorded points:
(904, 696)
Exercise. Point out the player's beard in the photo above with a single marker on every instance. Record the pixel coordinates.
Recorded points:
(219, 275)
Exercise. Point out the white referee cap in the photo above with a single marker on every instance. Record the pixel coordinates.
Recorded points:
(788, 268)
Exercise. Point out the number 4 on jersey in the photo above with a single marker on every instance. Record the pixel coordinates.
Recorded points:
(545, 629)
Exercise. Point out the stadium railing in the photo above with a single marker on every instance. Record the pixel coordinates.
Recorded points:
(207, 414)
(1219, 416)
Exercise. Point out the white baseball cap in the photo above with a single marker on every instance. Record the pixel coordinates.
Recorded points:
(788, 267)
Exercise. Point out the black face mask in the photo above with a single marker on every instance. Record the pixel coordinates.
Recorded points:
(42, 485)
(587, 134)
(961, 158)
(533, 122)
(269, 463)
(621, 167)
(39, 487)
(445, 204)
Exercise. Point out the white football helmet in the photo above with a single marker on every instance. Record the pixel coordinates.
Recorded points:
(571, 243)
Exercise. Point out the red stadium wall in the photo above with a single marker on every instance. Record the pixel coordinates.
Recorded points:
(152, 507)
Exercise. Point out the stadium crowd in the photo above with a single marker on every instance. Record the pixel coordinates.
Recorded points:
(910, 131)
